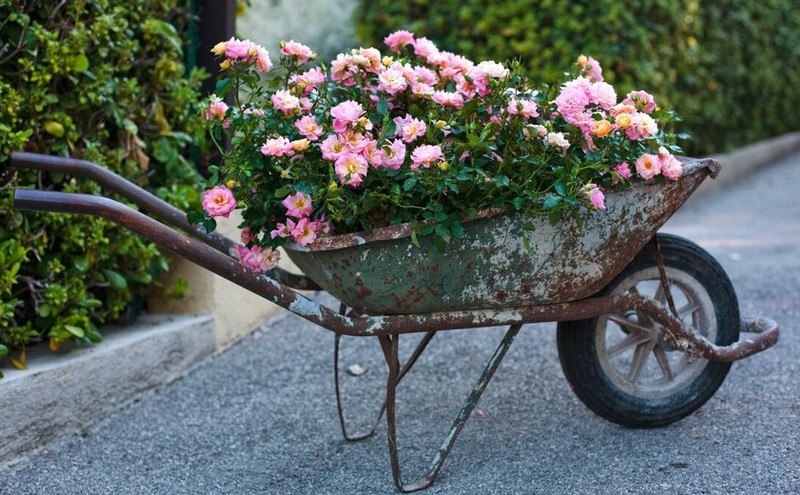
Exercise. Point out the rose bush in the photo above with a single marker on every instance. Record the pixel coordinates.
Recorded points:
(420, 135)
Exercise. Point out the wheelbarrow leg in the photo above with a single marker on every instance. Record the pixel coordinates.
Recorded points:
(423, 343)
(389, 344)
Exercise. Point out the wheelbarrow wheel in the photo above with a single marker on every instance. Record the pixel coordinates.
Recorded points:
(621, 367)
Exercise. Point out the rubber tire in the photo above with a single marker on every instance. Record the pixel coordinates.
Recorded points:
(580, 363)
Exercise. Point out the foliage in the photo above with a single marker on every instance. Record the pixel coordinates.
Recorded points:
(729, 65)
(103, 81)
(426, 137)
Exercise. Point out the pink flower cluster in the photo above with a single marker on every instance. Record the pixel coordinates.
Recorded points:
(243, 51)
(591, 105)
(664, 163)
(305, 230)
(256, 258)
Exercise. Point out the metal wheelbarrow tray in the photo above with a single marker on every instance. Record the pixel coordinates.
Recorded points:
(622, 293)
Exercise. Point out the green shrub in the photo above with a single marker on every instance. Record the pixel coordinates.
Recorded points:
(728, 67)
(102, 80)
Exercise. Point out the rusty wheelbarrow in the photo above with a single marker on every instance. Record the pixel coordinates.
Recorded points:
(648, 323)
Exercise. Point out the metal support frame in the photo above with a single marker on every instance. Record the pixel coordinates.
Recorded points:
(421, 346)
(390, 344)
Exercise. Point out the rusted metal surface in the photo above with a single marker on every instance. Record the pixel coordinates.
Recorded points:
(145, 200)
(390, 346)
(353, 437)
(384, 273)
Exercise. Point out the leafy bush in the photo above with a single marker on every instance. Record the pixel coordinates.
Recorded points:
(103, 81)
(727, 67)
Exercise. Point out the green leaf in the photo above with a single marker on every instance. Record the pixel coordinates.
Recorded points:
(195, 216)
(44, 310)
(282, 192)
(3, 351)
(115, 279)
(209, 224)
(54, 128)
(222, 86)
(457, 229)
(414, 239)
(81, 264)
(551, 201)
(90, 303)
(80, 63)
(409, 183)
(501, 181)
(382, 107)
(76, 331)
(561, 188)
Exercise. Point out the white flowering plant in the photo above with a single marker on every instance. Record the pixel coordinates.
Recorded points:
(419, 136)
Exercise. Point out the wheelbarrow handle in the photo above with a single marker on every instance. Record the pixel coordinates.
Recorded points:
(144, 199)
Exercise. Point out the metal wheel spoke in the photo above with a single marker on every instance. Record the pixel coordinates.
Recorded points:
(690, 308)
(640, 356)
(663, 362)
(624, 322)
(640, 316)
(660, 294)
(631, 340)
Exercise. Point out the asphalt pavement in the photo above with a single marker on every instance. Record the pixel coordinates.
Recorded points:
(260, 418)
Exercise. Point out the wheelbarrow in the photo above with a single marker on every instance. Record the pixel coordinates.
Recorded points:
(648, 323)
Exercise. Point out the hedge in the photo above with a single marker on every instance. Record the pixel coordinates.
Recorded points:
(728, 67)
(102, 80)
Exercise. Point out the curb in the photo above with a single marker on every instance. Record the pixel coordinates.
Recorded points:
(64, 393)
(749, 159)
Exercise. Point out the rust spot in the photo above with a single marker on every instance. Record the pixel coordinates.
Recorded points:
(363, 292)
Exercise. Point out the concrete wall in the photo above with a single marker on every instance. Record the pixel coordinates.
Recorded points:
(236, 311)
(324, 25)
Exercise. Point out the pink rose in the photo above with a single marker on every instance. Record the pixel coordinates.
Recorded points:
(425, 155)
(424, 48)
(278, 146)
(332, 148)
(298, 205)
(345, 113)
(624, 170)
(304, 233)
(523, 107)
(308, 127)
(397, 40)
(298, 51)
(394, 154)
(448, 99)
(671, 167)
(351, 168)
(219, 202)
(603, 94)
(572, 100)
(283, 230)
(648, 166)
(285, 101)
(641, 100)
(596, 196)
(392, 80)
(216, 109)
